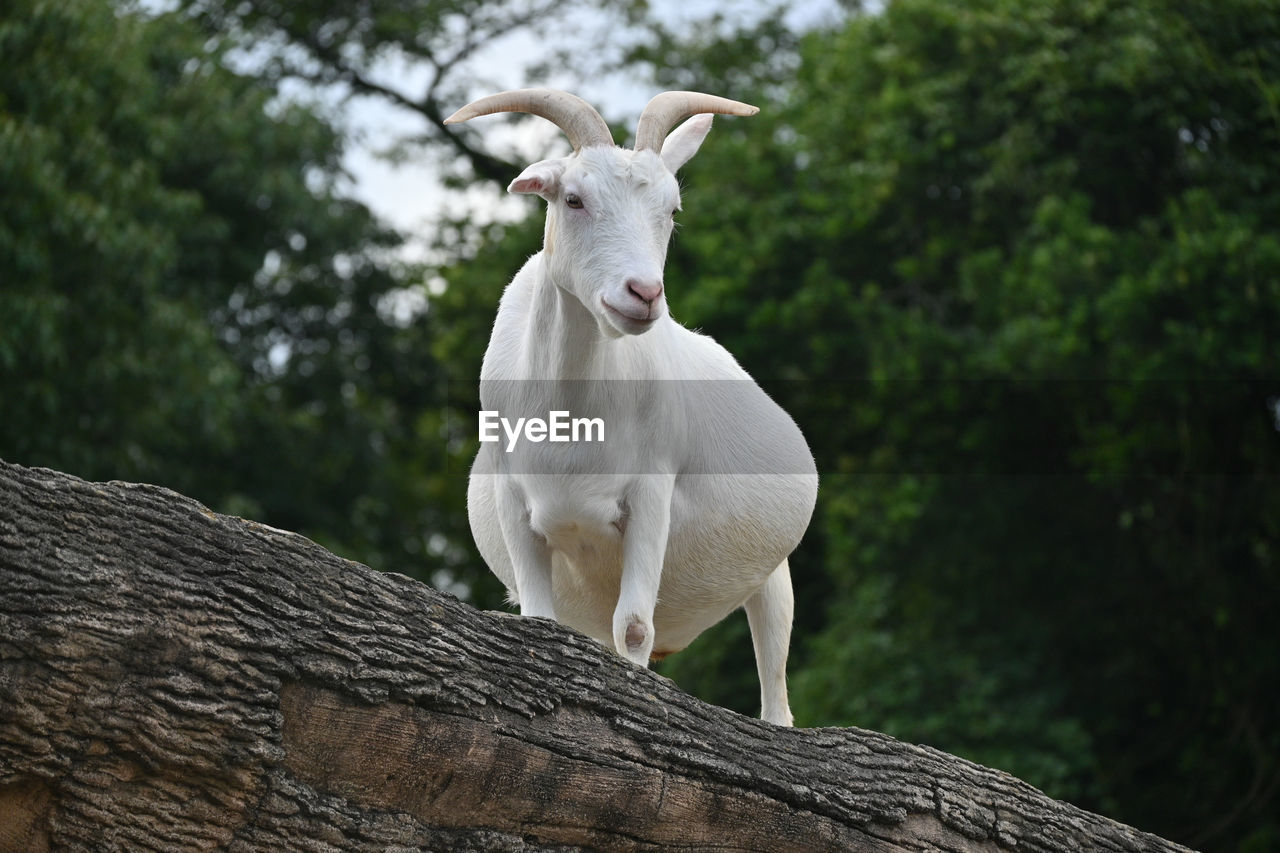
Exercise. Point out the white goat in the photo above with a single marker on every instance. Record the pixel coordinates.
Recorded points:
(703, 486)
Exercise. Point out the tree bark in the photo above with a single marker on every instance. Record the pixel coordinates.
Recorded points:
(174, 679)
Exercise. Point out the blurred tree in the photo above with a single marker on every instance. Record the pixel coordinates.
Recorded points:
(191, 301)
(419, 56)
(86, 241)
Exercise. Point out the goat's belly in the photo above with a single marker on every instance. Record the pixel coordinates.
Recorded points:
(690, 599)
(702, 583)
(586, 588)
(728, 534)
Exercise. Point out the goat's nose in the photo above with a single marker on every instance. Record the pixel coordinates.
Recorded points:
(645, 291)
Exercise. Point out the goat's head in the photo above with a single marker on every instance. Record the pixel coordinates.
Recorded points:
(610, 210)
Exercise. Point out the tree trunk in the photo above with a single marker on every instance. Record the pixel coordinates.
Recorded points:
(173, 679)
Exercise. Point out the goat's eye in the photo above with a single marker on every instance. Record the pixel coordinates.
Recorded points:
(574, 201)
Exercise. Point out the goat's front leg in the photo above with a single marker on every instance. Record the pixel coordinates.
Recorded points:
(530, 555)
(644, 547)
(769, 613)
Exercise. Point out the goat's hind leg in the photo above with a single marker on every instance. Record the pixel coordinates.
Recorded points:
(769, 613)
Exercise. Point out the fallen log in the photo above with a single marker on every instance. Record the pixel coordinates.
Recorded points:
(174, 679)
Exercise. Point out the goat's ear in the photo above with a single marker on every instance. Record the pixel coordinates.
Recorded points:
(684, 141)
(542, 178)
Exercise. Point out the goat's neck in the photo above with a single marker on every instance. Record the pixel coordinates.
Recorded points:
(563, 341)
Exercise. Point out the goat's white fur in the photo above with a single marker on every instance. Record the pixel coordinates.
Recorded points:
(702, 489)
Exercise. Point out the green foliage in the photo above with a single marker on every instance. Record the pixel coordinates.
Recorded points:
(365, 50)
(189, 300)
(86, 239)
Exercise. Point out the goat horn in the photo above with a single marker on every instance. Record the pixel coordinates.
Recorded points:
(578, 119)
(669, 108)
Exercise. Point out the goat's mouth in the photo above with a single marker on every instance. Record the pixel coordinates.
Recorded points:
(632, 323)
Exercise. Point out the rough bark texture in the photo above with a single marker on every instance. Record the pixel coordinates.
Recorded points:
(173, 679)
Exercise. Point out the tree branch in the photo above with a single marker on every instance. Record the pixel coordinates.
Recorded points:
(486, 166)
(173, 678)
